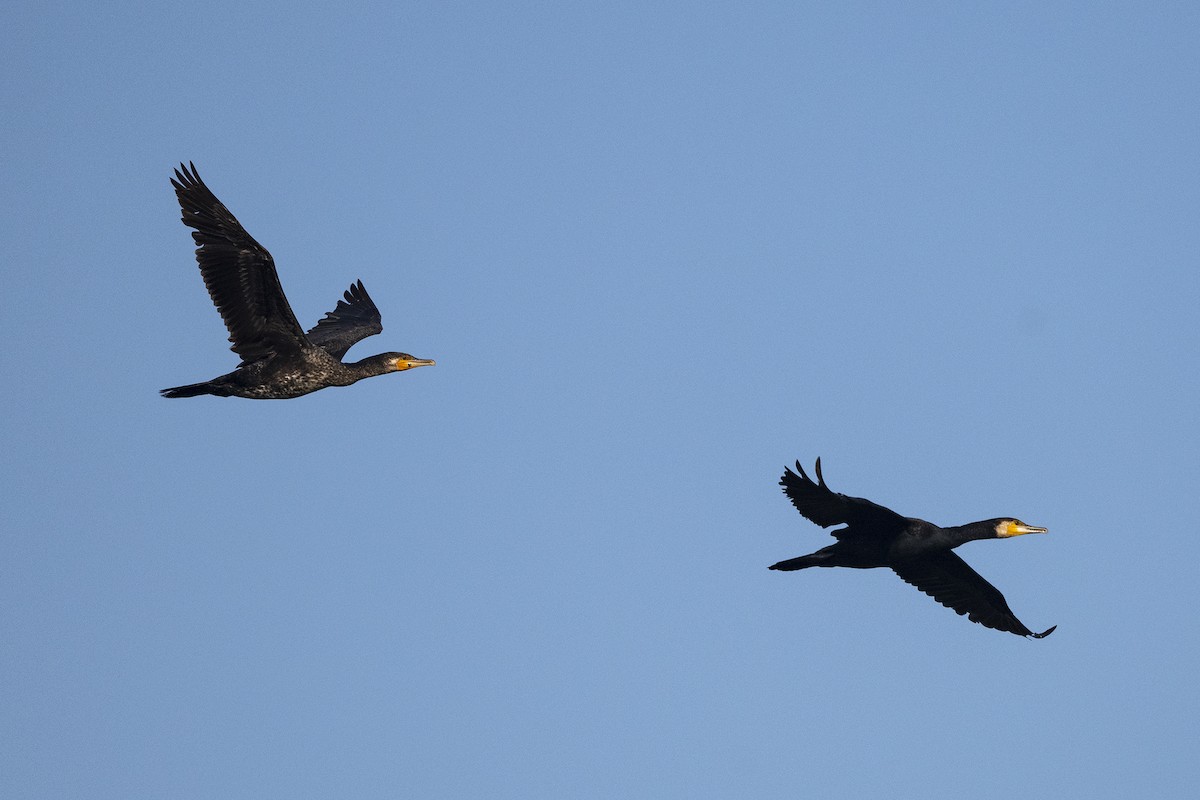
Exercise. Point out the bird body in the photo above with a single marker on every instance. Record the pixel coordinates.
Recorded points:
(280, 360)
(918, 551)
(284, 378)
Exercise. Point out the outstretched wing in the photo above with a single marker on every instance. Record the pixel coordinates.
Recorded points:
(354, 319)
(820, 504)
(239, 274)
(948, 579)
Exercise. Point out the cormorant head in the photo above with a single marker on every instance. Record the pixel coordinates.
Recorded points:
(398, 362)
(1014, 527)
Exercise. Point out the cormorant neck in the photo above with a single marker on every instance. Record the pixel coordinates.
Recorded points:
(371, 366)
(972, 531)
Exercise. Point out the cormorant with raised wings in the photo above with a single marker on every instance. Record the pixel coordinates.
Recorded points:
(279, 360)
(919, 552)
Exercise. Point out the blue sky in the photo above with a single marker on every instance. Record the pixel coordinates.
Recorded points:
(659, 251)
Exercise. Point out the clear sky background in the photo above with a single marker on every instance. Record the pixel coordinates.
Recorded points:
(659, 250)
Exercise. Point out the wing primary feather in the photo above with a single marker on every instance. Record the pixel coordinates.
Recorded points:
(238, 272)
(353, 319)
(949, 580)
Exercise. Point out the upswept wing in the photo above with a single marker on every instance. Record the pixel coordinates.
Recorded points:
(354, 319)
(239, 274)
(948, 579)
(820, 504)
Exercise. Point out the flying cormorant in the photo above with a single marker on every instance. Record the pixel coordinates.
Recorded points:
(279, 360)
(919, 552)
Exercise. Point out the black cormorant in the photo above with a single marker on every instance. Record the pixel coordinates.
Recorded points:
(918, 551)
(279, 360)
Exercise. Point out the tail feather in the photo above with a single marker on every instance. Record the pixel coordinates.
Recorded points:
(193, 390)
(800, 562)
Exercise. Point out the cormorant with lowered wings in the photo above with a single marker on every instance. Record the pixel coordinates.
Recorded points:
(279, 360)
(920, 552)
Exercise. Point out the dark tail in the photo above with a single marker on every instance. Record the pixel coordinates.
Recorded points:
(193, 390)
(800, 562)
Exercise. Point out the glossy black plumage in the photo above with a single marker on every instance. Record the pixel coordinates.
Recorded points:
(279, 360)
(920, 552)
